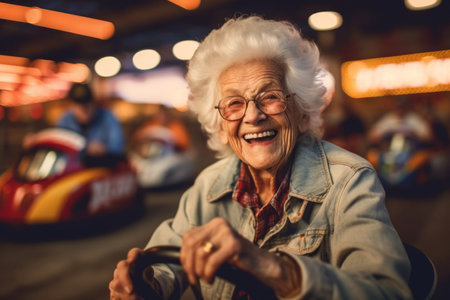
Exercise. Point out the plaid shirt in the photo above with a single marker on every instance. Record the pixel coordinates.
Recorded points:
(266, 216)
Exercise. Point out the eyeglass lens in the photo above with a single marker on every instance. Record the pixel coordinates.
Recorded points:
(270, 102)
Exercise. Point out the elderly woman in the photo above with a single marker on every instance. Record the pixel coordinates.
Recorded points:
(303, 216)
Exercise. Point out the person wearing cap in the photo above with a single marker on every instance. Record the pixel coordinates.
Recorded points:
(302, 215)
(103, 132)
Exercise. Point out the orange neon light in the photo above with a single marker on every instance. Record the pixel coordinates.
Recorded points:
(57, 20)
(7, 86)
(396, 75)
(5, 68)
(13, 60)
(26, 82)
(187, 4)
(72, 72)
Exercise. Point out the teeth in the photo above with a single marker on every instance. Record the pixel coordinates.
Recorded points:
(259, 135)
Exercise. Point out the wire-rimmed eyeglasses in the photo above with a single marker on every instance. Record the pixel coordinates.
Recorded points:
(233, 108)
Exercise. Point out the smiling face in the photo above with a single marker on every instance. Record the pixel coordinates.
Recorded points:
(264, 142)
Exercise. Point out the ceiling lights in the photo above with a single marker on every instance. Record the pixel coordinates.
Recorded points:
(24, 81)
(107, 66)
(146, 59)
(187, 4)
(325, 20)
(57, 20)
(421, 4)
(185, 49)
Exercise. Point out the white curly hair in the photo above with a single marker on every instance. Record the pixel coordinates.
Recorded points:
(247, 38)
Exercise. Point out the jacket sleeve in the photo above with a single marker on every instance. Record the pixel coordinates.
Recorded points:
(171, 277)
(367, 257)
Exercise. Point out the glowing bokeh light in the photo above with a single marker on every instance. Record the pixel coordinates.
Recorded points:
(421, 4)
(187, 4)
(185, 49)
(107, 66)
(33, 15)
(146, 59)
(73, 72)
(325, 20)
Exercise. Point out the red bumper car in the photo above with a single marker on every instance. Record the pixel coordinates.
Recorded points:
(50, 184)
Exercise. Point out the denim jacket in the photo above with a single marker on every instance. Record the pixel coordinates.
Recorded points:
(335, 226)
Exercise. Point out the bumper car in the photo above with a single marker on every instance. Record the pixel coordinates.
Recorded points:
(403, 163)
(159, 161)
(50, 184)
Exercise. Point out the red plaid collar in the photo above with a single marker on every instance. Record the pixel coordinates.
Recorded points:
(266, 216)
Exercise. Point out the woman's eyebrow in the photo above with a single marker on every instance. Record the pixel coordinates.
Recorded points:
(231, 92)
(262, 88)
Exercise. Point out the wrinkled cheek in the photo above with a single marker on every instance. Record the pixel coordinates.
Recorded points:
(236, 145)
(294, 121)
(289, 136)
(288, 139)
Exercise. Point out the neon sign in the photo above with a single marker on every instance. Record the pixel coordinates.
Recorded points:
(396, 75)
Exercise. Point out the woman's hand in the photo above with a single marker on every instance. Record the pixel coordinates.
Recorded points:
(205, 248)
(121, 287)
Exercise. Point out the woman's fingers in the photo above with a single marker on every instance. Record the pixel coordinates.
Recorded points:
(213, 262)
(186, 258)
(121, 287)
(133, 254)
(203, 254)
(206, 248)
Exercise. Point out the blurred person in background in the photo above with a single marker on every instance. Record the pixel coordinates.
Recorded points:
(103, 132)
(161, 151)
(163, 118)
(401, 119)
(303, 216)
(402, 148)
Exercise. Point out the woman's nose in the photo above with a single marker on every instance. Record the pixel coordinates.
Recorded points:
(253, 114)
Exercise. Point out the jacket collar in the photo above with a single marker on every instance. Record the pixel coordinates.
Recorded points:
(310, 175)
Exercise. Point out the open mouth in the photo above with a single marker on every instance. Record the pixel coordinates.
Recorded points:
(260, 136)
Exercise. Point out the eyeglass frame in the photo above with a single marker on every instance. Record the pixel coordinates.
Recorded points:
(286, 97)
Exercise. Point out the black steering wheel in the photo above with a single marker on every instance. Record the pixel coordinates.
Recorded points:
(171, 255)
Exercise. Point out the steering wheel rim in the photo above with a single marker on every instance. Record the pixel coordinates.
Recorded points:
(171, 255)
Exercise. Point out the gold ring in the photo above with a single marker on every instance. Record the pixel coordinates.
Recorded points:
(208, 247)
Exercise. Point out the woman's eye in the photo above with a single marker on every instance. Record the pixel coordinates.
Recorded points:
(234, 103)
(271, 96)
